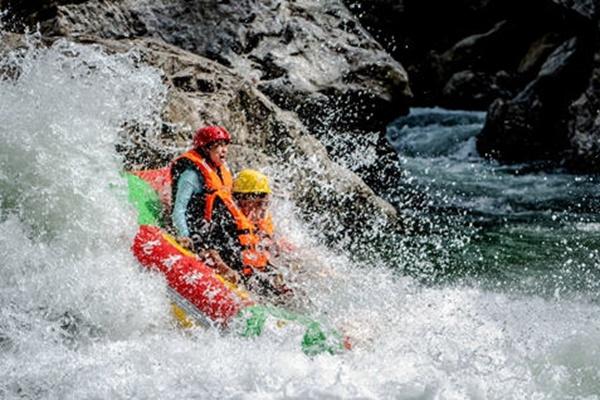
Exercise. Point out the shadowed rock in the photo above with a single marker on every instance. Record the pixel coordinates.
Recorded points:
(584, 124)
(529, 62)
(532, 126)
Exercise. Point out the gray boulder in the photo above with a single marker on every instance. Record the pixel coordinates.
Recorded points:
(309, 56)
(473, 89)
(532, 125)
(584, 124)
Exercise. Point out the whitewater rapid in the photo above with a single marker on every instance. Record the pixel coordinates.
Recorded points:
(79, 319)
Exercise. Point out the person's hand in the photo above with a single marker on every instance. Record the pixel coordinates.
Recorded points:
(278, 280)
(214, 260)
(223, 269)
(229, 275)
(285, 246)
(280, 286)
(186, 242)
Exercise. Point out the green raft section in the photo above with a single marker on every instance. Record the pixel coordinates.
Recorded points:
(316, 339)
(145, 199)
(255, 320)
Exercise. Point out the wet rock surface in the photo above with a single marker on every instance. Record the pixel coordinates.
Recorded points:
(311, 57)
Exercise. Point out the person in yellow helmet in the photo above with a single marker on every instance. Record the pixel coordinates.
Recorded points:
(252, 193)
(244, 237)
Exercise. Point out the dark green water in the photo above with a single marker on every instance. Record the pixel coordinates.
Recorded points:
(525, 229)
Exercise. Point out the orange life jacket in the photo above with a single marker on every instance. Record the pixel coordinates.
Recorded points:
(255, 254)
(265, 226)
(215, 185)
(254, 257)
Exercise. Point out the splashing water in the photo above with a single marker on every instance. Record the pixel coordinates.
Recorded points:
(80, 320)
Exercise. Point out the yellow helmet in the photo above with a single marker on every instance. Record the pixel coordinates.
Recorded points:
(251, 181)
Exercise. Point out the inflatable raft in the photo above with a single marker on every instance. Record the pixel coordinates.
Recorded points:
(199, 295)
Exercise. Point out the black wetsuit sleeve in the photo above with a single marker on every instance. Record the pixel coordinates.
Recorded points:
(224, 238)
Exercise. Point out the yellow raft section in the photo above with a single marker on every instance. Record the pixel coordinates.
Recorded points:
(180, 315)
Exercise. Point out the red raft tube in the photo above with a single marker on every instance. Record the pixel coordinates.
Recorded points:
(202, 294)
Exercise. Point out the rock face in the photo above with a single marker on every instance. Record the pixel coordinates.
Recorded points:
(531, 63)
(463, 41)
(546, 119)
(434, 40)
(532, 125)
(202, 91)
(309, 56)
(584, 123)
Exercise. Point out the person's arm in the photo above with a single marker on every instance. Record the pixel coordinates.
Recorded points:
(188, 184)
(214, 261)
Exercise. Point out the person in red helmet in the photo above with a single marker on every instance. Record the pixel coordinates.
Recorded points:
(201, 183)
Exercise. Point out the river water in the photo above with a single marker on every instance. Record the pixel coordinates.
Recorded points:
(533, 229)
(513, 313)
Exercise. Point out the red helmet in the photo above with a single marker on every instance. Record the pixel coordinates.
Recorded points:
(210, 134)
